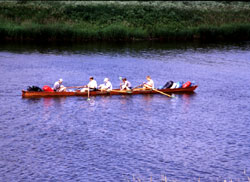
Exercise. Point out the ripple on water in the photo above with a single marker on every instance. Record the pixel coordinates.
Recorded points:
(201, 135)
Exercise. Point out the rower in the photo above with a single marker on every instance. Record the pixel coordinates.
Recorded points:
(149, 84)
(125, 85)
(106, 85)
(92, 85)
(58, 87)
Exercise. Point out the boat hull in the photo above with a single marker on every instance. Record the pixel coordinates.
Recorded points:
(28, 94)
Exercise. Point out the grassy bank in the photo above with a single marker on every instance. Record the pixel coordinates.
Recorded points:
(87, 21)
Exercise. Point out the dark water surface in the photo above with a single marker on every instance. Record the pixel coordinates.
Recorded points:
(126, 138)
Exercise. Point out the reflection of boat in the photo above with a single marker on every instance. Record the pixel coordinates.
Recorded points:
(28, 94)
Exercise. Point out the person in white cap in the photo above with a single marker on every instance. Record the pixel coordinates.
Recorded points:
(58, 87)
(106, 86)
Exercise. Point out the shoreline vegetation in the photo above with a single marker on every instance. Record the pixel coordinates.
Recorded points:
(81, 21)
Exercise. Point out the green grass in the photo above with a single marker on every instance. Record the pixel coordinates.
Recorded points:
(86, 21)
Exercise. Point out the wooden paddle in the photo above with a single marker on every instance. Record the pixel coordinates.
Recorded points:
(137, 86)
(88, 95)
(75, 87)
(122, 91)
(162, 93)
(156, 91)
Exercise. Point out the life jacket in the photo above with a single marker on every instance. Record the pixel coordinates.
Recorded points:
(168, 84)
(46, 88)
(179, 85)
(186, 85)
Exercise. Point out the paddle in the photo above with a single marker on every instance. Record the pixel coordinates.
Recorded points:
(163, 93)
(157, 91)
(88, 95)
(120, 78)
(122, 91)
(80, 87)
(137, 86)
(75, 87)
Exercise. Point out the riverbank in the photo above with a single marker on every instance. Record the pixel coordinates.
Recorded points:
(124, 21)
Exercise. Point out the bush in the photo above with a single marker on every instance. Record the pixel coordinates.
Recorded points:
(81, 21)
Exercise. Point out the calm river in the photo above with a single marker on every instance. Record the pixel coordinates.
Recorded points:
(201, 136)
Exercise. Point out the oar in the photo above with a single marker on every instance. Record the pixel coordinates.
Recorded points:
(88, 95)
(137, 86)
(122, 91)
(162, 93)
(120, 78)
(75, 87)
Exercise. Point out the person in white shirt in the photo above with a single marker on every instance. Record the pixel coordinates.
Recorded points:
(149, 84)
(106, 86)
(92, 85)
(58, 87)
(125, 85)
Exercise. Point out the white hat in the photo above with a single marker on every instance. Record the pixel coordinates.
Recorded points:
(106, 79)
(60, 80)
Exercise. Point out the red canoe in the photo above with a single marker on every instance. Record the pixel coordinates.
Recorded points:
(29, 94)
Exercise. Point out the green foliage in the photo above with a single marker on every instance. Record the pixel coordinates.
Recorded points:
(115, 32)
(135, 20)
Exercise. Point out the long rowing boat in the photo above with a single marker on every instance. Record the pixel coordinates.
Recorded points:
(31, 94)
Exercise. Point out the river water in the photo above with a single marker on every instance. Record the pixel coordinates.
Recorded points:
(201, 136)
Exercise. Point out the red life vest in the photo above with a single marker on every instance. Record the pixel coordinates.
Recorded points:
(186, 85)
(46, 88)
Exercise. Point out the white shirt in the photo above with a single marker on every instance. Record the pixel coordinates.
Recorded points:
(108, 85)
(150, 84)
(125, 85)
(57, 86)
(92, 84)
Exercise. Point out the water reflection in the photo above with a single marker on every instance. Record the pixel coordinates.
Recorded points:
(32, 100)
(182, 101)
(115, 49)
(147, 98)
(91, 104)
(47, 102)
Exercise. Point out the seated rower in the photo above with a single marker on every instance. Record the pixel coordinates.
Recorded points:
(106, 86)
(149, 84)
(58, 87)
(125, 85)
(92, 85)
